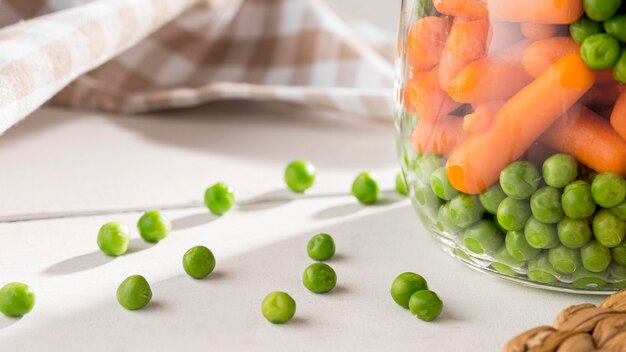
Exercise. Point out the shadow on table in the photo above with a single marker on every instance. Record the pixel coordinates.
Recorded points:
(5, 321)
(279, 197)
(193, 220)
(385, 198)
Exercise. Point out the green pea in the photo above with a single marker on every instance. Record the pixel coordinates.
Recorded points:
(574, 233)
(616, 26)
(153, 226)
(520, 179)
(319, 278)
(601, 10)
(16, 299)
(608, 189)
(513, 213)
(134, 292)
(620, 210)
(365, 188)
(505, 263)
(618, 274)
(590, 280)
(278, 307)
(440, 184)
(577, 201)
(113, 238)
(540, 235)
(483, 237)
(583, 28)
(444, 222)
(198, 262)
(425, 196)
(545, 204)
(425, 167)
(405, 285)
(564, 260)
(608, 229)
(619, 71)
(559, 170)
(425, 305)
(595, 256)
(600, 51)
(300, 175)
(492, 197)
(321, 247)
(465, 210)
(540, 270)
(518, 247)
(619, 253)
(219, 198)
(401, 186)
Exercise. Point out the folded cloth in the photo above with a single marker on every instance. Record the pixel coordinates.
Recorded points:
(141, 55)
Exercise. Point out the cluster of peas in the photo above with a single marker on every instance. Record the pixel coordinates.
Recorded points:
(18, 299)
(568, 225)
(601, 33)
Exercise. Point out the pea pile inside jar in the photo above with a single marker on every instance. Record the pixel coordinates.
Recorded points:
(513, 130)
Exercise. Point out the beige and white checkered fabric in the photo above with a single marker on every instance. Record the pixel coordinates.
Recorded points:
(141, 55)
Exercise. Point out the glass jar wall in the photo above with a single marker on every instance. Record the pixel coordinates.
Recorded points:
(511, 127)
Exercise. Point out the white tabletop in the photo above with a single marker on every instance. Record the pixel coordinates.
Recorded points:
(60, 162)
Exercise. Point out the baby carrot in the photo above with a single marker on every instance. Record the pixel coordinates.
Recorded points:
(590, 138)
(536, 11)
(618, 116)
(440, 137)
(482, 117)
(602, 95)
(424, 96)
(477, 163)
(426, 41)
(542, 53)
(503, 34)
(605, 112)
(467, 42)
(470, 9)
(538, 31)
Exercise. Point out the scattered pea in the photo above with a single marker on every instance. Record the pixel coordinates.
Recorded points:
(365, 188)
(300, 175)
(540, 235)
(595, 256)
(513, 213)
(278, 307)
(608, 229)
(519, 180)
(440, 184)
(405, 285)
(425, 305)
(113, 238)
(559, 170)
(153, 226)
(465, 210)
(518, 247)
(574, 233)
(198, 262)
(134, 292)
(219, 198)
(608, 189)
(321, 247)
(492, 197)
(577, 201)
(483, 237)
(319, 278)
(401, 186)
(545, 205)
(16, 299)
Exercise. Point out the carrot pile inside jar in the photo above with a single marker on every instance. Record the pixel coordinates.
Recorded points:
(516, 113)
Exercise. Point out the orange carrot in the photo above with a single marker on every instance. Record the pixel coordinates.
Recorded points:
(482, 117)
(503, 34)
(492, 78)
(536, 11)
(605, 112)
(602, 95)
(440, 137)
(426, 41)
(424, 96)
(470, 9)
(538, 31)
(618, 116)
(541, 54)
(467, 42)
(590, 138)
(477, 163)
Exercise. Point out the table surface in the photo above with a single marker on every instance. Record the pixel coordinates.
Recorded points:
(59, 163)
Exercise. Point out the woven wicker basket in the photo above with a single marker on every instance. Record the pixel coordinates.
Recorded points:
(583, 327)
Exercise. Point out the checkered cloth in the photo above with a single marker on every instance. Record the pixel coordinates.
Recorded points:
(141, 55)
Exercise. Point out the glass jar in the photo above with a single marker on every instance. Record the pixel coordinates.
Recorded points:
(511, 127)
